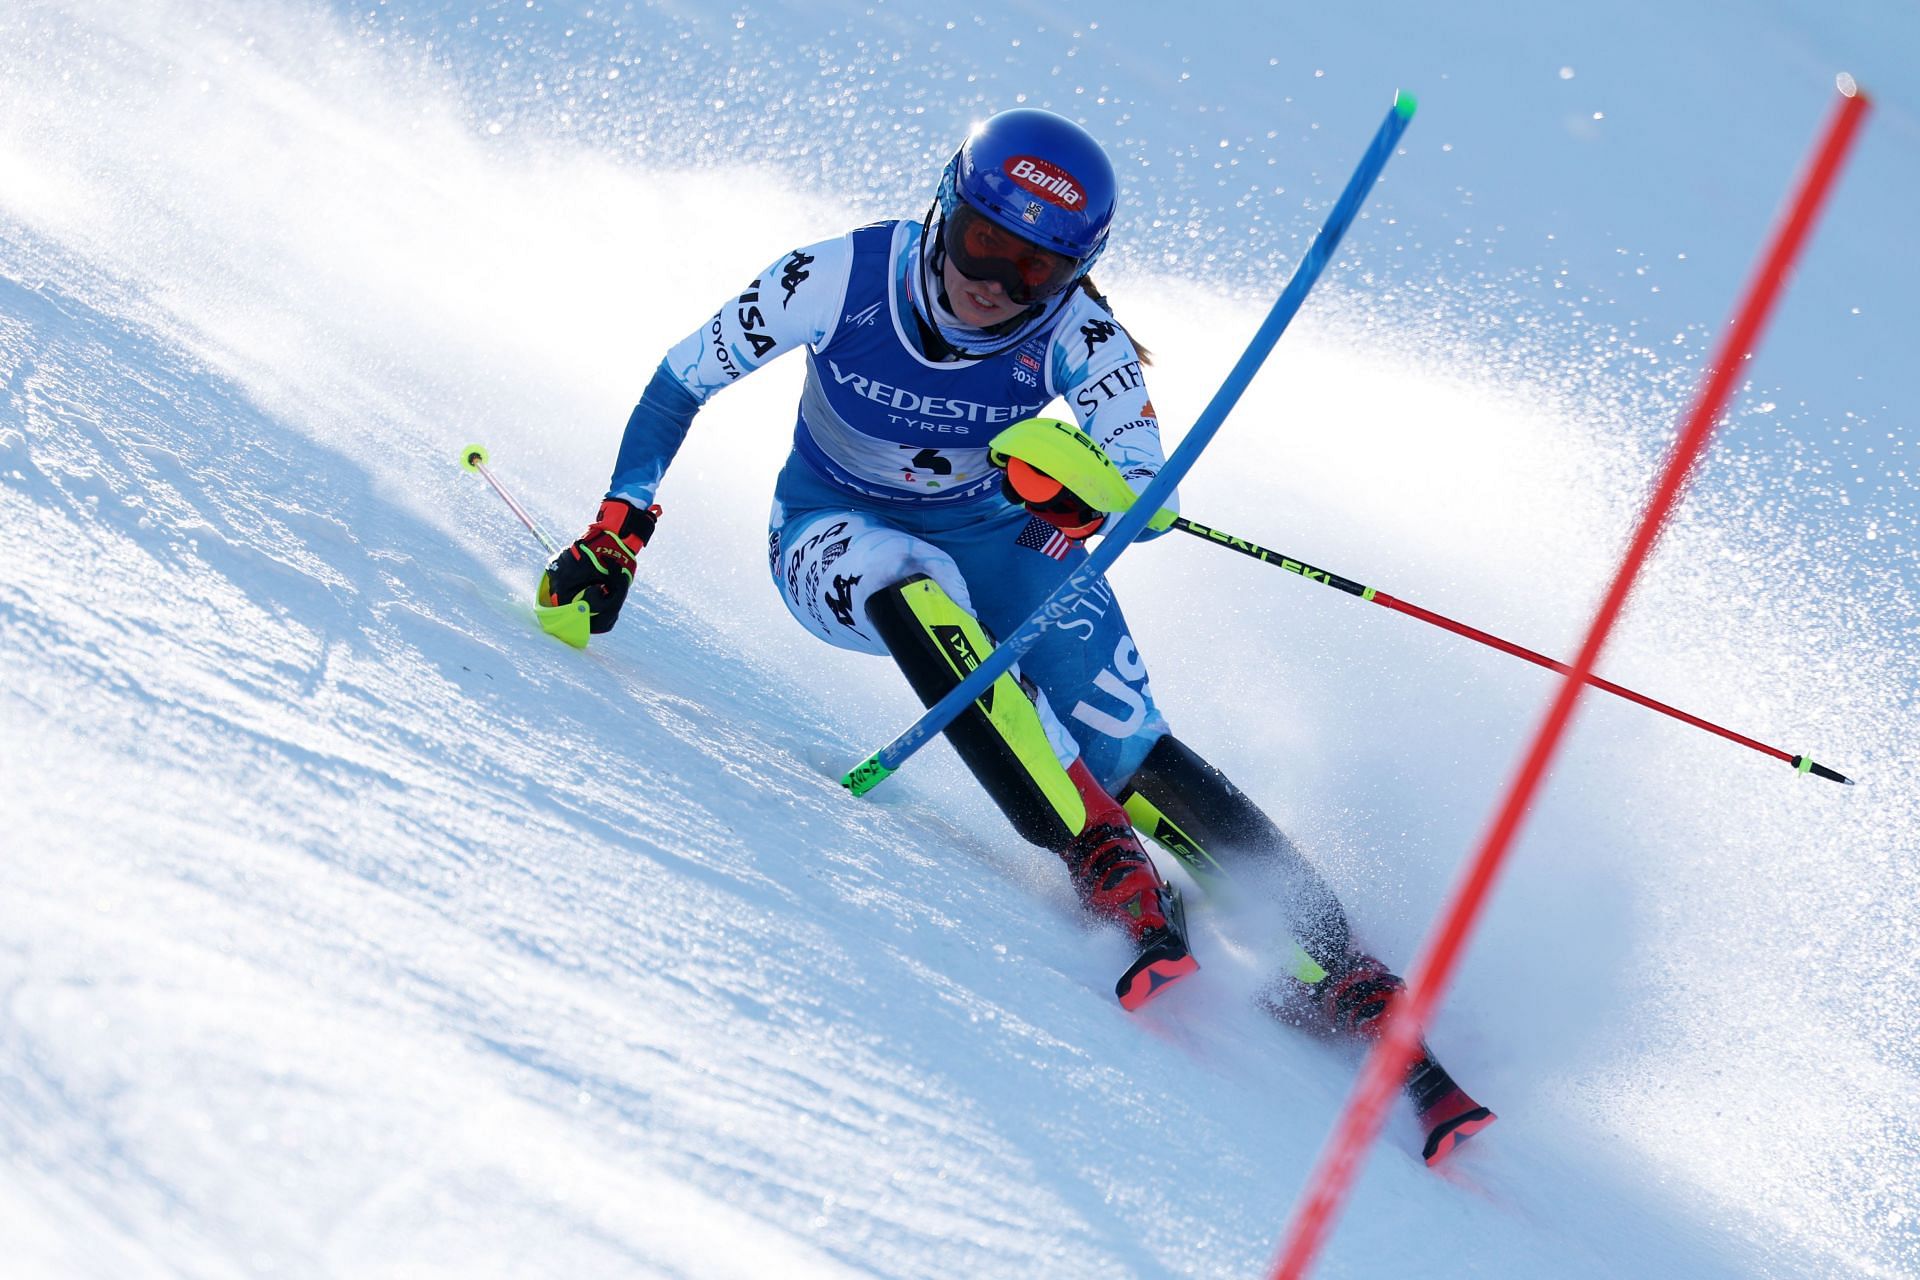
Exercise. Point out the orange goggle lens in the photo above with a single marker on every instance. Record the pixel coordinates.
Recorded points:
(984, 250)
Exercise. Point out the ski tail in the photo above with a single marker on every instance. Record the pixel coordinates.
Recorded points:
(1447, 1114)
(1444, 1136)
(1164, 958)
(1158, 968)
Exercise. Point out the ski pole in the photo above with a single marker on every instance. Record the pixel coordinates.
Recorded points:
(474, 458)
(1066, 597)
(571, 622)
(1804, 764)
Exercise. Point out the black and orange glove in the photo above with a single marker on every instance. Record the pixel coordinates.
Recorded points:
(1052, 501)
(598, 566)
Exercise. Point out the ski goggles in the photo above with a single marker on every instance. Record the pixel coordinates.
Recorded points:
(982, 249)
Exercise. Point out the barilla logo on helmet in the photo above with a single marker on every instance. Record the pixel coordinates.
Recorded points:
(1046, 180)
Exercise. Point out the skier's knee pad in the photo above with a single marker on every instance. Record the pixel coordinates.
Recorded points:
(1000, 737)
(1195, 812)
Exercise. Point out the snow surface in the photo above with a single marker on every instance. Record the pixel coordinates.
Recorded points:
(348, 927)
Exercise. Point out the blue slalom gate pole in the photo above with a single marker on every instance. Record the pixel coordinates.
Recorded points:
(1066, 597)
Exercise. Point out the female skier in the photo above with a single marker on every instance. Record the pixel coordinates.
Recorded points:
(892, 533)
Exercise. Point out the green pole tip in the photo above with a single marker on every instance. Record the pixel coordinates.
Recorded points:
(1804, 764)
(866, 775)
(473, 456)
(1405, 104)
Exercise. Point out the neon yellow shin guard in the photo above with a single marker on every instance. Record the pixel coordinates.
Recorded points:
(1000, 737)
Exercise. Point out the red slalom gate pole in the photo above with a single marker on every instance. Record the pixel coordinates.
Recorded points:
(1386, 1065)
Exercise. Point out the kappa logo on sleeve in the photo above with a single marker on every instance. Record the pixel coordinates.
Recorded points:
(1097, 332)
(793, 273)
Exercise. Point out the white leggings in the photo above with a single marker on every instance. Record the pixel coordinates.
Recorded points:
(828, 564)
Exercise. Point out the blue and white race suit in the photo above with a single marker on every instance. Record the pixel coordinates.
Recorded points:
(889, 474)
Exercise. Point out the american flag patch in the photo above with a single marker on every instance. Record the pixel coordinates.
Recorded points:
(1044, 538)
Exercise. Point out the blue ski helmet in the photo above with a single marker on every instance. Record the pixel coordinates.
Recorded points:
(1039, 175)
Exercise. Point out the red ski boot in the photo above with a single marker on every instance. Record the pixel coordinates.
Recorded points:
(1356, 1002)
(1116, 881)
